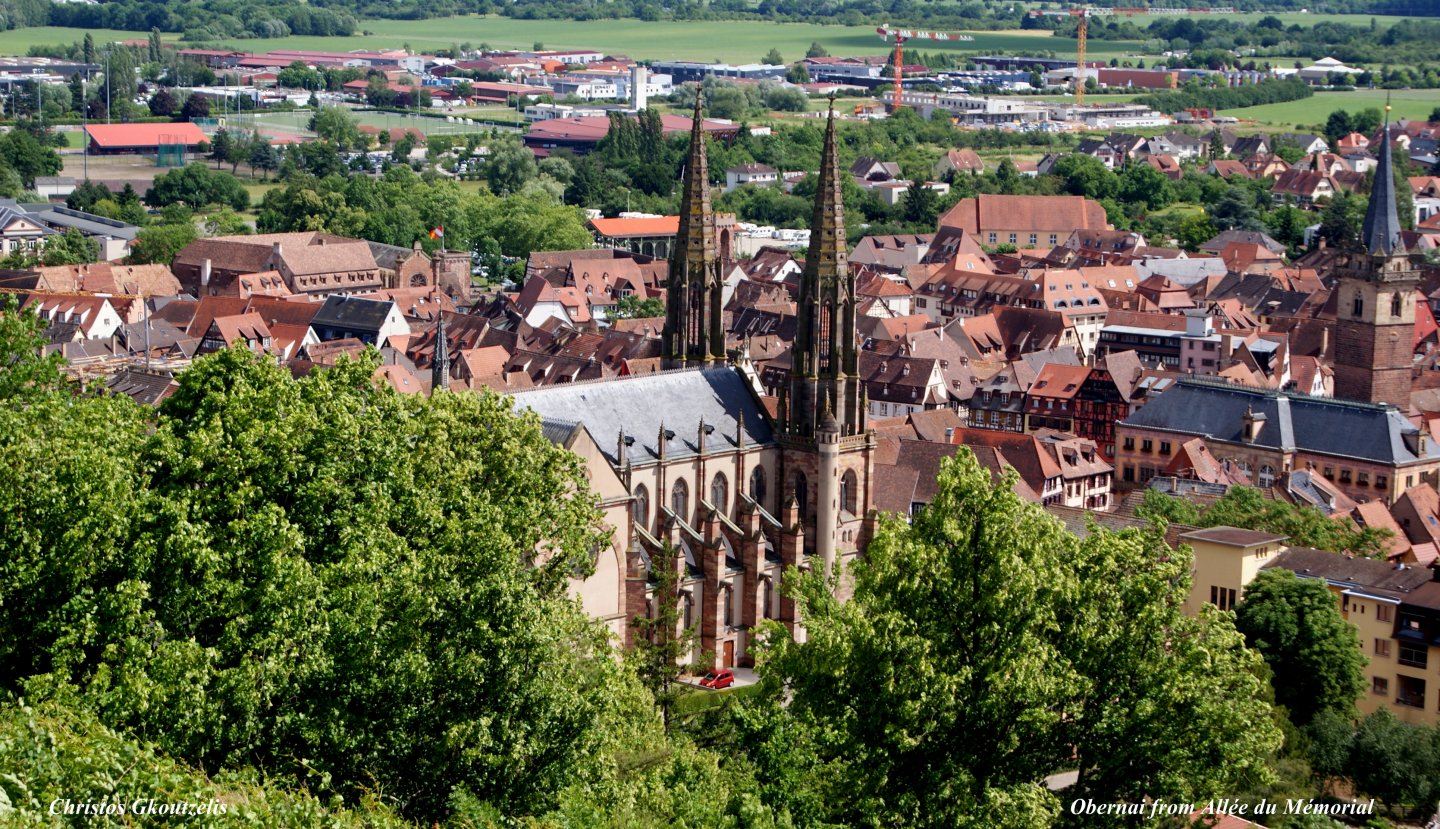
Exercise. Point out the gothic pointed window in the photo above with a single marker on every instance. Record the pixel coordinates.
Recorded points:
(640, 509)
(757, 485)
(1359, 308)
(680, 500)
(719, 491)
(849, 492)
(802, 493)
(1395, 304)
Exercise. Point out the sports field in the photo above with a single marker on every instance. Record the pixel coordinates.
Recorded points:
(1408, 103)
(294, 124)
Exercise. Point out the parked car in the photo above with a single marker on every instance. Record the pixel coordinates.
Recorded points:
(716, 680)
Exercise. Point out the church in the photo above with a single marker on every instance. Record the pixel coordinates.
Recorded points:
(695, 471)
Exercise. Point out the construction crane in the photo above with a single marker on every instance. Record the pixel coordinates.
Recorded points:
(900, 36)
(1087, 12)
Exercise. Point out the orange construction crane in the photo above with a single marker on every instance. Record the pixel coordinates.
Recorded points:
(902, 35)
(1087, 12)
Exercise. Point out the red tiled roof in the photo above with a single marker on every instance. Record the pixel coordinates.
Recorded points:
(143, 135)
(1058, 214)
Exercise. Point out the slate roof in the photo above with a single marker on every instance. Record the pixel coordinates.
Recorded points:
(1357, 572)
(352, 313)
(1292, 421)
(718, 396)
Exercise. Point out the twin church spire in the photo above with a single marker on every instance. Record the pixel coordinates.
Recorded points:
(694, 329)
(824, 372)
(824, 382)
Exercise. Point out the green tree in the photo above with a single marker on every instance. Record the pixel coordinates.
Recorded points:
(632, 307)
(263, 156)
(1086, 176)
(226, 222)
(87, 50)
(23, 153)
(1395, 762)
(336, 125)
(24, 373)
(221, 146)
(1236, 211)
(1217, 145)
(156, 52)
(975, 652)
(509, 166)
(921, 204)
(816, 50)
(1341, 219)
(70, 248)
(772, 58)
(159, 244)
(1161, 688)
(798, 74)
(1337, 126)
(1313, 653)
(662, 642)
(64, 753)
(1156, 505)
(197, 186)
(1144, 185)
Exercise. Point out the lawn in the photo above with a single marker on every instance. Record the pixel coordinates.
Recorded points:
(1408, 103)
(729, 41)
(19, 41)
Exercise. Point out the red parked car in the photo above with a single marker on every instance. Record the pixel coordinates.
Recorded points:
(718, 679)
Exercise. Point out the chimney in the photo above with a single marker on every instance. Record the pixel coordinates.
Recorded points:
(205, 274)
(1324, 343)
(1227, 346)
(322, 242)
(275, 252)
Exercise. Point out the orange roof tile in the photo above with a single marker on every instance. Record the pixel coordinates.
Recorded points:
(617, 228)
(118, 136)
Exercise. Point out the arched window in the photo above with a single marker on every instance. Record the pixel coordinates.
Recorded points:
(1358, 309)
(757, 485)
(766, 610)
(680, 500)
(640, 507)
(1395, 304)
(689, 610)
(727, 595)
(801, 488)
(719, 491)
(1267, 476)
(849, 492)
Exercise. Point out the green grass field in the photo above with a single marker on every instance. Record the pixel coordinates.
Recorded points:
(731, 41)
(295, 122)
(1408, 103)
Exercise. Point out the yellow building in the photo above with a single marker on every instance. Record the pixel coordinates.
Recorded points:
(1395, 610)
(1226, 559)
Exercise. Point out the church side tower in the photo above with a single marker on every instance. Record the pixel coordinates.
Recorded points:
(1375, 309)
(827, 448)
(694, 329)
(823, 361)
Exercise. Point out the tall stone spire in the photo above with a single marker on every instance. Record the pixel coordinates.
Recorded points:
(440, 365)
(1381, 232)
(1376, 296)
(823, 356)
(694, 333)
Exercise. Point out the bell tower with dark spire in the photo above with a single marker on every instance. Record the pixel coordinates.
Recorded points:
(694, 329)
(827, 453)
(1375, 307)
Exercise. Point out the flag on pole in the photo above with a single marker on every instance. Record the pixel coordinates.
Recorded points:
(438, 233)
